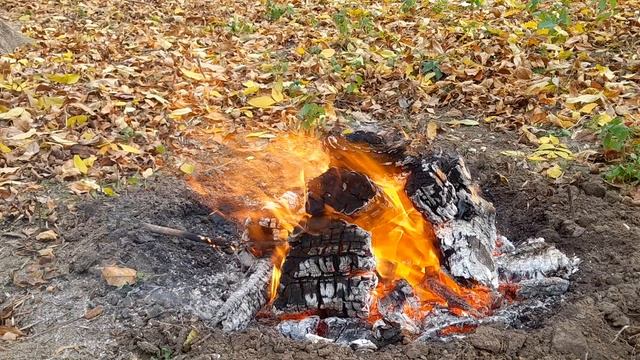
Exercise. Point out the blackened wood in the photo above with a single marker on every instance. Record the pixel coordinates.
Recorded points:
(214, 241)
(535, 259)
(330, 271)
(344, 190)
(441, 188)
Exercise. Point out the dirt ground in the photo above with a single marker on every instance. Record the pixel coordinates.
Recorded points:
(181, 283)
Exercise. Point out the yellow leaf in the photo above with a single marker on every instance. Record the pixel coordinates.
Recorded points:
(554, 172)
(251, 87)
(587, 98)
(119, 276)
(192, 74)
(327, 53)
(108, 191)
(261, 101)
(179, 112)
(432, 130)
(4, 148)
(67, 79)
(276, 92)
(387, 54)
(531, 25)
(587, 109)
(12, 114)
(261, 135)
(77, 120)
(130, 149)
(300, 51)
(603, 119)
(79, 164)
(187, 168)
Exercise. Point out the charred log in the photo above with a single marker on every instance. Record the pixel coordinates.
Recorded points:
(441, 189)
(388, 144)
(331, 271)
(243, 304)
(344, 190)
(535, 259)
(392, 306)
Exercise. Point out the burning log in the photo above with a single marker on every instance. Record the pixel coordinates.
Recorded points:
(392, 306)
(331, 271)
(441, 189)
(243, 304)
(344, 190)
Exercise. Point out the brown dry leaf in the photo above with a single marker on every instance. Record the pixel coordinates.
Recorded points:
(119, 276)
(95, 312)
(10, 333)
(48, 235)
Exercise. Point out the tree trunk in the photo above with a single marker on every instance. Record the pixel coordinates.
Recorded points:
(10, 38)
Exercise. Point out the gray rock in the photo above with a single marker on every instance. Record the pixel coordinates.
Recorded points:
(148, 347)
(487, 338)
(570, 228)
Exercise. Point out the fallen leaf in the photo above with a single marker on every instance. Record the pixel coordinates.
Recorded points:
(432, 130)
(79, 164)
(587, 98)
(84, 186)
(261, 101)
(187, 168)
(180, 112)
(148, 172)
(467, 122)
(119, 276)
(192, 74)
(327, 53)
(4, 148)
(76, 120)
(276, 92)
(67, 79)
(554, 172)
(48, 235)
(12, 332)
(587, 109)
(8, 170)
(95, 312)
(130, 149)
(13, 113)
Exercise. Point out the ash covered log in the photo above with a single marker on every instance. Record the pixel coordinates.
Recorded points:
(243, 304)
(535, 259)
(344, 190)
(330, 271)
(442, 190)
(392, 308)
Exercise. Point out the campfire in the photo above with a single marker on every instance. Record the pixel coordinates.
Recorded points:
(352, 240)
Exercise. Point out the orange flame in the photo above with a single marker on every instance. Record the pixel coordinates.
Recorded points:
(272, 180)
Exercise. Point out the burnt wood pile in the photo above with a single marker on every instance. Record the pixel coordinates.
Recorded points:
(330, 270)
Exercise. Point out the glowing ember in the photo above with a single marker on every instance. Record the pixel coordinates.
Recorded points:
(272, 177)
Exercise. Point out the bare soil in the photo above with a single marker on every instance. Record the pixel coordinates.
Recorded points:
(181, 283)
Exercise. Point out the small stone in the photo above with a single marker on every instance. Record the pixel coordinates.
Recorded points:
(154, 311)
(147, 347)
(613, 196)
(570, 228)
(568, 339)
(487, 338)
(594, 188)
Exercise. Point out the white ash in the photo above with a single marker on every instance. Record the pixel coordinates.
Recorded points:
(535, 259)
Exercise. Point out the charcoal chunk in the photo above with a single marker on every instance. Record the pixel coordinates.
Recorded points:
(345, 191)
(332, 271)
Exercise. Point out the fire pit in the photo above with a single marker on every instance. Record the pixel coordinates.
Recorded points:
(366, 245)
